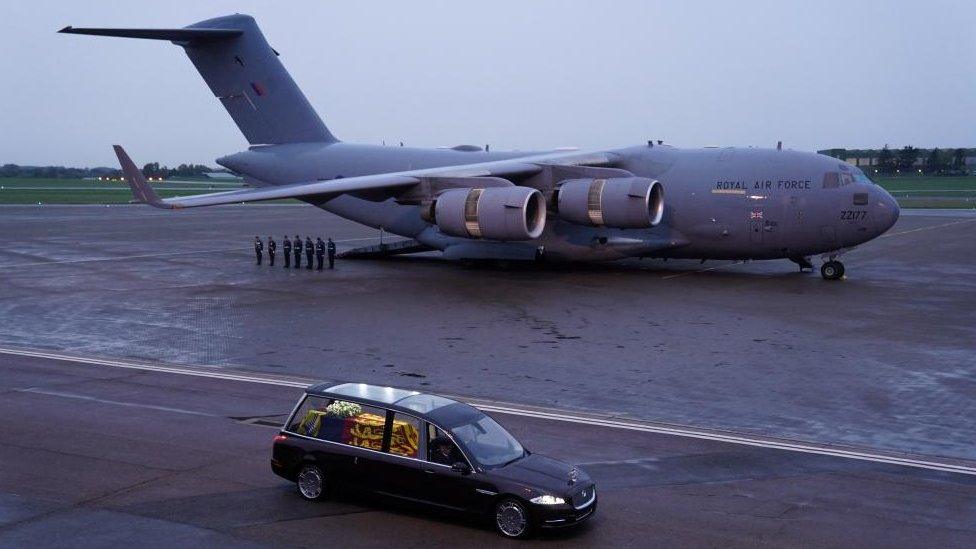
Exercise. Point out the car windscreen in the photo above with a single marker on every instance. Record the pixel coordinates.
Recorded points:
(488, 442)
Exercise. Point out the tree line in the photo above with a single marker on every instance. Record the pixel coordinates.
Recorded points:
(153, 169)
(889, 162)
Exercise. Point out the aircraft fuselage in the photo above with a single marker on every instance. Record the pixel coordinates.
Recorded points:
(720, 203)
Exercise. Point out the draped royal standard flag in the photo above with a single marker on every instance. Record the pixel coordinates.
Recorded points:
(405, 440)
(364, 430)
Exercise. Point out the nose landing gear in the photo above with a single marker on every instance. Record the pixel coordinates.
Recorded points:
(832, 270)
(802, 262)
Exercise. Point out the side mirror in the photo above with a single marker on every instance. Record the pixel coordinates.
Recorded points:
(461, 467)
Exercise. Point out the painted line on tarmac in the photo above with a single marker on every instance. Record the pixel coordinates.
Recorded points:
(196, 371)
(39, 391)
(743, 440)
(919, 462)
(116, 258)
(888, 235)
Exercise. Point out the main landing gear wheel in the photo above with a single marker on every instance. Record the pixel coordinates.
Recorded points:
(832, 270)
(512, 519)
(311, 483)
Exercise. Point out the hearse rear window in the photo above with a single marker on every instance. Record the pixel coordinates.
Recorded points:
(340, 421)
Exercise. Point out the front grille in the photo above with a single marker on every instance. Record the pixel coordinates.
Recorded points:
(584, 497)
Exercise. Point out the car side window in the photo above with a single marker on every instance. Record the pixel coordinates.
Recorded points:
(309, 403)
(341, 421)
(441, 449)
(405, 436)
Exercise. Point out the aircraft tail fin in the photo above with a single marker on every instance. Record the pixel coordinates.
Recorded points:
(141, 189)
(244, 73)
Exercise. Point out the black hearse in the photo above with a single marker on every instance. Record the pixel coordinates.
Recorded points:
(427, 449)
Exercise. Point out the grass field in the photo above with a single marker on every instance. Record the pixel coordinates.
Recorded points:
(927, 183)
(924, 191)
(911, 191)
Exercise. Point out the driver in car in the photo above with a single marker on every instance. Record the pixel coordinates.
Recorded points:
(442, 452)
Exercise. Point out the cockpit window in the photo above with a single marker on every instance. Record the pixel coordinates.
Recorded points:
(831, 180)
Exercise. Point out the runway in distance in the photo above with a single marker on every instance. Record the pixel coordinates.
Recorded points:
(470, 203)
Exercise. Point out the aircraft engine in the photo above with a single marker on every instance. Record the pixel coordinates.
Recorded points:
(621, 202)
(495, 213)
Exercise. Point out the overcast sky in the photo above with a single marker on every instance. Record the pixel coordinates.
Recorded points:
(518, 74)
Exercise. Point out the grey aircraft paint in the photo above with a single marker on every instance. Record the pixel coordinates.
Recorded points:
(728, 203)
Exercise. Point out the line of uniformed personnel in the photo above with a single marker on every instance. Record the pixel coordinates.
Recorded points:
(293, 249)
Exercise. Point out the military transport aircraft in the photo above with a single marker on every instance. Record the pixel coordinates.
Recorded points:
(722, 203)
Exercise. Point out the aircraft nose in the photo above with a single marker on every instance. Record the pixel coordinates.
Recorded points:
(888, 210)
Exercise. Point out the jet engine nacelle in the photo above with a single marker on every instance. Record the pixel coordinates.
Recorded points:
(620, 202)
(495, 213)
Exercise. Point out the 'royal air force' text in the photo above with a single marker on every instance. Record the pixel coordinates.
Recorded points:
(782, 184)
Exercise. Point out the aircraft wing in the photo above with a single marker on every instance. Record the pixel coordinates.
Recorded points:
(393, 181)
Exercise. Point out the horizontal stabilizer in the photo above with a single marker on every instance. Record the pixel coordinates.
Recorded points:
(175, 35)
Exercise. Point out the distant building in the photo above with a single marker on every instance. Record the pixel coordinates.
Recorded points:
(221, 175)
(862, 161)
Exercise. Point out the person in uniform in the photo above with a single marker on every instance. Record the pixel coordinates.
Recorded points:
(296, 247)
(272, 248)
(286, 247)
(332, 253)
(258, 248)
(319, 252)
(309, 250)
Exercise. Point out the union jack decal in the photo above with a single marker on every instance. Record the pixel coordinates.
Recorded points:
(756, 214)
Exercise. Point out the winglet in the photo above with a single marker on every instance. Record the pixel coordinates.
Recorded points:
(137, 182)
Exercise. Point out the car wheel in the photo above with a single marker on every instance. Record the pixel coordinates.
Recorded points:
(512, 519)
(311, 483)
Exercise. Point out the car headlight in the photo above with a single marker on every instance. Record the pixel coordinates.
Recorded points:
(547, 500)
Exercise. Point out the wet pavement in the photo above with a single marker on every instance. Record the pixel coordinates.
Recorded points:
(97, 456)
(883, 359)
